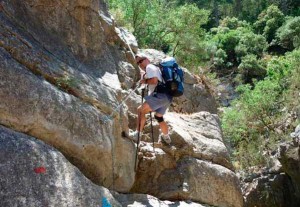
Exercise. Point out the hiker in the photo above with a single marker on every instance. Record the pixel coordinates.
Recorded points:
(154, 101)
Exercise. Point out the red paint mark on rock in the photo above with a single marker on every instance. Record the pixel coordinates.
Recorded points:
(40, 170)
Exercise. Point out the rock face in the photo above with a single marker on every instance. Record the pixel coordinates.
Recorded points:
(67, 29)
(39, 175)
(68, 107)
(65, 72)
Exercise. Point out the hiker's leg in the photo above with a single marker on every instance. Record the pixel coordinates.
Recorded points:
(162, 124)
(142, 111)
(164, 129)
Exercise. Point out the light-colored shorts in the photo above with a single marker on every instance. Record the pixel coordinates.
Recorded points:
(159, 102)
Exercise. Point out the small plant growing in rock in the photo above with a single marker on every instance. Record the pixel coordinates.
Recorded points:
(67, 84)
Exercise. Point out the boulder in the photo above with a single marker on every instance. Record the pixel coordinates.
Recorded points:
(199, 135)
(39, 175)
(193, 167)
(128, 39)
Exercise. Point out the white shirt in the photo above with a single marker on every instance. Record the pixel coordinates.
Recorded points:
(151, 72)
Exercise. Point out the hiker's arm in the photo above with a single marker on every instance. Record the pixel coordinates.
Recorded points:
(151, 81)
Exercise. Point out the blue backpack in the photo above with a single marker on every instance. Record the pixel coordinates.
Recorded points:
(172, 75)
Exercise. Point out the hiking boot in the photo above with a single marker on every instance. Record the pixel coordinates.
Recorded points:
(164, 138)
(133, 135)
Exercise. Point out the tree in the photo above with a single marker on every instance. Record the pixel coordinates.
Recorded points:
(251, 43)
(290, 7)
(269, 21)
(162, 25)
(227, 40)
(183, 25)
(288, 35)
(184, 33)
(218, 9)
(220, 58)
(142, 18)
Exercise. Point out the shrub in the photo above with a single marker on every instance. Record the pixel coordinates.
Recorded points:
(251, 68)
(250, 119)
(290, 80)
(227, 40)
(251, 43)
(220, 58)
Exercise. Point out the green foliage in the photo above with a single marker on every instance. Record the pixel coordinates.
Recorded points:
(278, 69)
(251, 43)
(236, 43)
(67, 82)
(250, 154)
(243, 9)
(233, 23)
(234, 124)
(161, 25)
(288, 35)
(251, 9)
(220, 58)
(251, 68)
(286, 72)
(218, 9)
(128, 13)
(210, 47)
(292, 83)
(140, 17)
(254, 119)
(227, 40)
(184, 32)
(269, 21)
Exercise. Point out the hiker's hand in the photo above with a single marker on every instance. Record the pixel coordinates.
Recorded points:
(143, 78)
(143, 81)
(142, 74)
